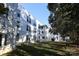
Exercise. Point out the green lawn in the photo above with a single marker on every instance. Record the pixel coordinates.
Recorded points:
(45, 49)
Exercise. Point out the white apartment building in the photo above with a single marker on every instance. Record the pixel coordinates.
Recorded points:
(9, 25)
(30, 28)
(3, 29)
(56, 37)
(21, 26)
(43, 33)
(27, 26)
(14, 22)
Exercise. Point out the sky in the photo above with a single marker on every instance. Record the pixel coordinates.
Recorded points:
(38, 10)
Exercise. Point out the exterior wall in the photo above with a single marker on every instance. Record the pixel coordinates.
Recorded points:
(38, 36)
(56, 37)
(17, 25)
(34, 25)
(25, 24)
(3, 29)
(12, 23)
(14, 30)
(44, 34)
(23, 21)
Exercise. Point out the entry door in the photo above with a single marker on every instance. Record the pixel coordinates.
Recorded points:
(27, 38)
(5, 42)
(0, 39)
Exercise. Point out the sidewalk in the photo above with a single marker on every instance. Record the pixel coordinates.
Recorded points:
(5, 50)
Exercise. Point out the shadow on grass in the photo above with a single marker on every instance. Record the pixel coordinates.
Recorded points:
(37, 52)
(57, 47)
(26, 50)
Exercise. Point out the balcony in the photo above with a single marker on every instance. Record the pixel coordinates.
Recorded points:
(3, 31)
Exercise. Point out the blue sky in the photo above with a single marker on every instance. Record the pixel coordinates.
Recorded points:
(38, 10)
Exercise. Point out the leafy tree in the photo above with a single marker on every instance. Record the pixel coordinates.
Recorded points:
(3, 10)
(64, 19)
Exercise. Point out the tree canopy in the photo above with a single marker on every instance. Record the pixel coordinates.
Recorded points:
(64, 18)
(3, 10)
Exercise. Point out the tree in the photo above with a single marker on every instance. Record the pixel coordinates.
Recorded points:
(3, 15)
(65, 19)
(3, 10)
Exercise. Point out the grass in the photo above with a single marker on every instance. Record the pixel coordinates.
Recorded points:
(45, 49)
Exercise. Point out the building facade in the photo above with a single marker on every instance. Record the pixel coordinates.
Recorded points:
(43, 33)
(21, 26)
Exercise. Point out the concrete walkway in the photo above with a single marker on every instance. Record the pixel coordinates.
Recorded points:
(5, 49)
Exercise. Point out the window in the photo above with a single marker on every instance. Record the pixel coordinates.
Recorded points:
(34, 24)
(42, 32)
(28, 28)
(18, 14)
(40, 27)
(34, 37)
(18, 21)
(43, 37)
(17, 36)
(39, 32)
(28, 19)
(34, 30)
(27, 39)
(39, 37)
(18, 25)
